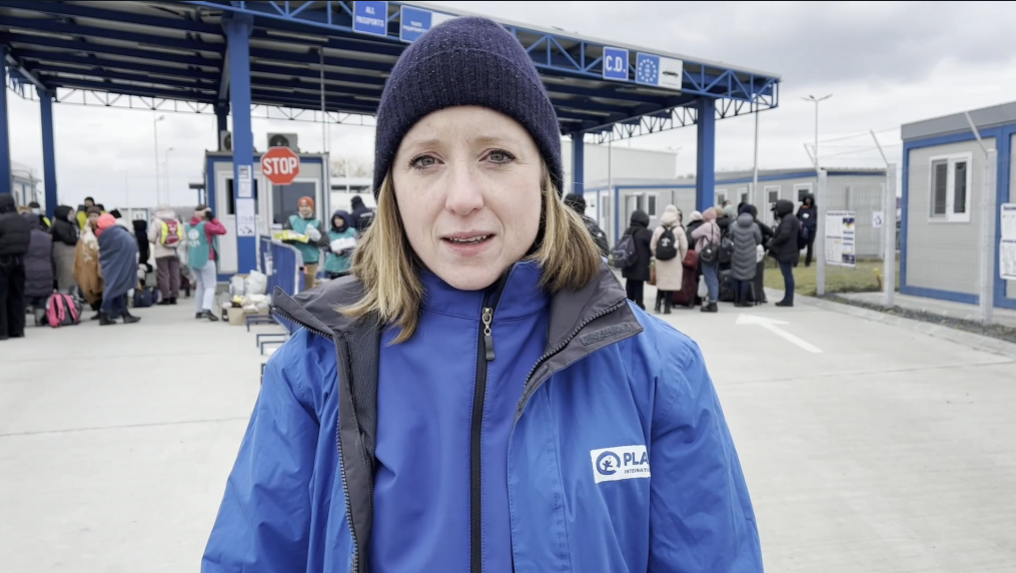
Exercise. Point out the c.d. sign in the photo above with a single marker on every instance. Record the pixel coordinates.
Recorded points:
(280, 165)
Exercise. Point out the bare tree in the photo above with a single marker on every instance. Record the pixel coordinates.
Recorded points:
(358, 167)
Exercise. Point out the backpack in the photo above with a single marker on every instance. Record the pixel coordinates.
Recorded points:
(726, 246)
(802, 236)
(710, 254)
(62, 310)
(624, 253)
(666, 247)
(146, 297)
(172, 234)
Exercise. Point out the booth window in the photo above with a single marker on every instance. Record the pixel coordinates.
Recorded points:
(285, 199)
(949, 189)
(651, 211)
(721, 197)
(803, 190)
(231, 198)
(742, 192)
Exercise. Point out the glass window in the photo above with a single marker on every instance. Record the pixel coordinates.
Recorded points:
(939, 186)
(960, 188)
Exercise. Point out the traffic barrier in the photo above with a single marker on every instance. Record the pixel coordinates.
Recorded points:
(281, 264)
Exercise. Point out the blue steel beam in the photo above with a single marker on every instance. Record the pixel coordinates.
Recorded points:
(56, 27)
(48, 71)
(82, 46)
(133, 90)
(14, 60)
(705, 159)
(5, 142)
(546, 49)
(238, 28)
(309, 101)
(107, 64)
(84, 11)
(48, 152)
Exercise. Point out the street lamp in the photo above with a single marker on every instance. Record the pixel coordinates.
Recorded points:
(169, 178)
(816, 101)
(155, 129)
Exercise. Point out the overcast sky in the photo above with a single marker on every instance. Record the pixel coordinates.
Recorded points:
(886, 63)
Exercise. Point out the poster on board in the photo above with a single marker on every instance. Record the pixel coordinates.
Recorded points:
(840, 238)
(1007, 243)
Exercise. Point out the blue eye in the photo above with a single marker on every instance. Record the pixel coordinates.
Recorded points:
(422, 162)
(500, 156)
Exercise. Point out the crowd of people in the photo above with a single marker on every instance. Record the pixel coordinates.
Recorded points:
(101, 259)
(718, 256)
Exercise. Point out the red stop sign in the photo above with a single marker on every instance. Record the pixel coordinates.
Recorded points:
(280, 165)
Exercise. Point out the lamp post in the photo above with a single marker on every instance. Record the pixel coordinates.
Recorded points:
(155, 130)
(816, 101)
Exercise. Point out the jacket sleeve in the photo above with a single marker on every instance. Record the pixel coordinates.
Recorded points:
(215, 227)
(263, 522)
(155, 230)
(701, 516)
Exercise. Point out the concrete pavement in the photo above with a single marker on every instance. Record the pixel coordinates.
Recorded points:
(886, 451)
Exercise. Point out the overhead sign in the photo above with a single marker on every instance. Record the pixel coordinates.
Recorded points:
(370, 18)
(280, 165)
(413, 22)
(840, 237)
(659, 71)
(615, 64)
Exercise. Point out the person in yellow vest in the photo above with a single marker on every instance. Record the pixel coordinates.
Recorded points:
(83, 212)
(167, 234)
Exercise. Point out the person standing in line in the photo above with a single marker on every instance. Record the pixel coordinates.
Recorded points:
(305, 222)
(15, 236)
(784, 248)
(807, 214)
(202, 253)
(341, 241)
(167, 234)
(578, 204)
(83, 212)
(637, 275)
(65, 241)
(669, 245)
(744, 261)
(38, 268)
(87, 271)
(118, 262)
(707, 244)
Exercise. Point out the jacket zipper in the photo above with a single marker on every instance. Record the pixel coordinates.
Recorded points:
(528, 389)
(485, 353)
(338, 445)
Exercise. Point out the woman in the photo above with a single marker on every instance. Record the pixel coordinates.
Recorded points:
(744, 261)
(637, 275)
(669, 272)
(38, 267)
(707, 239)
(118, 262)
(305, 222)
(65, 242)
(86, 263)
(760, 265)
(784, 248)
(203, 234)
(479, 395)
(807, 214)
(15, 236)
(341, 240)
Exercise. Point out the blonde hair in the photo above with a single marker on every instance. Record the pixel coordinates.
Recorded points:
(385, 263)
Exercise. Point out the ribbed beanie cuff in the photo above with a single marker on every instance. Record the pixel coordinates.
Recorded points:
(467, 61)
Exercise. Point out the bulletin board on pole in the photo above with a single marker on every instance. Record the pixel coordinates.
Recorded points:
(840, 239)
(1007, 242)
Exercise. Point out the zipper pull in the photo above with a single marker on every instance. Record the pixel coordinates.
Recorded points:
(488, 340)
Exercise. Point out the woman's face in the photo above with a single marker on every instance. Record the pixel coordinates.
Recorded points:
(339, 223)
(93, 219)
(306, 211)
(468, 185)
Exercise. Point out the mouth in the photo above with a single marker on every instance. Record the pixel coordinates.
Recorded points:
(468, 238)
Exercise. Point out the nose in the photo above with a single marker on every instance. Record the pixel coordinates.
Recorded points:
(464, 191)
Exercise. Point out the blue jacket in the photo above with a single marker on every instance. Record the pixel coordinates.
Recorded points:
(617, 456)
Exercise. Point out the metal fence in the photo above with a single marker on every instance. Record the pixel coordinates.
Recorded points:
(281, 264)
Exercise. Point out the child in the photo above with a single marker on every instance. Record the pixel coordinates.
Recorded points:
(342, 238)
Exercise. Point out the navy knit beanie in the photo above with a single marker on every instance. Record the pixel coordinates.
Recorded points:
(465, 61)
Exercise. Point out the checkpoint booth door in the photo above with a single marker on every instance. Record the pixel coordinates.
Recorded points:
(273, 203)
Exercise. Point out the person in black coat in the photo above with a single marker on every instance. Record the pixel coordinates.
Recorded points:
(784, 248)
(578, 204)
(767, 237)
(807, 214)
(38, 267)
(15, 235)
(637, 274)
(362, 215)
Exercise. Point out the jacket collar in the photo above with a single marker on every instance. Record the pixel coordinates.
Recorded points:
(521, 294)
(569, 310)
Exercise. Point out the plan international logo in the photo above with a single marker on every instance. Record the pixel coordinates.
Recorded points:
(615, 464)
